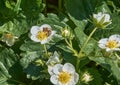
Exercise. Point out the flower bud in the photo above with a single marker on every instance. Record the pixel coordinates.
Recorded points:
(9, 39)
(66, 33)
(86, 77)
(39, 62)
(101, 20)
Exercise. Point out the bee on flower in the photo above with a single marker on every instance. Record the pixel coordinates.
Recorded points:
(101, 20)
(9, 39)
(42, 34)
(64, 75)
(110, 44)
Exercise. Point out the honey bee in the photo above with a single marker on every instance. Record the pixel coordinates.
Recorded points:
(47, 31)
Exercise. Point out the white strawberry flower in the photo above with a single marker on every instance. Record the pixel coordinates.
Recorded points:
(52, 61)
(101, 20)
(9, 39)
(110, 44)
(64, 75)
(42, 34)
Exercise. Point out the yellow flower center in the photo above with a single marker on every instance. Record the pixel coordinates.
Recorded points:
(9, 35)
(41, 35)
(64, 77)
(112, 44)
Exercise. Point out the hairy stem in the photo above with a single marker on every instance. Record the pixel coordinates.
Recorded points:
(118, 57)
(17, 82)
(45, 48)
(71, 47)
(82, 48)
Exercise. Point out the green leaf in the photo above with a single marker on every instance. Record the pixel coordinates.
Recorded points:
(103, 8)
(54, 21)
(82, 37)
(13, 5)
(81, 9)
(30, 68)
(7, 60)
(31, 46)
(15, 27)
(35, 72)
(64, 48)
(32, 8)
(29, 57)
(109, 64)
(69, 57)
(80, 23)
(9, 9)
(4, 74)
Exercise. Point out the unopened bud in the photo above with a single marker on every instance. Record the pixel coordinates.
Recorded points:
(39, 62)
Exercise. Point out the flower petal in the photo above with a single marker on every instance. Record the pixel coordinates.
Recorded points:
(98, 16)
(117, 49)
(57, 68)
(33, 37)
(45, 41)
(53, 59)
(10, 42)
(53, 33)
(55, 55)
(109, 50)
(115, 37)
(103, 46)
(45, 26)
(34, 30)
(69, 68)
(50, 70)
(76, 77)
(71, 83)
(54, 79)
(107, 17)
(103, 41)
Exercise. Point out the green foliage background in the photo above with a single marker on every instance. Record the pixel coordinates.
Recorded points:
(17, 63)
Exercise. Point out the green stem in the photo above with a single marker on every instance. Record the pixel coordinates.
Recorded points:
(45, 10)
(45, 48)
(118, 57)
(71, 47)
(31, 82)
(60, 5)
(80, 52)
(77, 65)
(17, 82)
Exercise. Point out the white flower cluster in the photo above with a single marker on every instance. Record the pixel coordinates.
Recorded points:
(61, 74)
